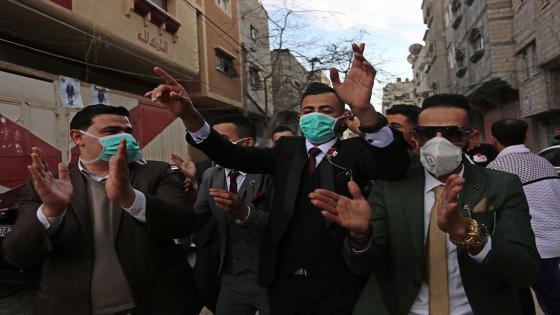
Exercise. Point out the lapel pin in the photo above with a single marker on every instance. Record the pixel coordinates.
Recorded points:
(252, 182)
(476, 186)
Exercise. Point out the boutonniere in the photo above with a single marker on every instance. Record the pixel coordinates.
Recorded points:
(332, 153)
(258, 196)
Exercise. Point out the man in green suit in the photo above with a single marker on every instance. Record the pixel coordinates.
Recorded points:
(450, 238)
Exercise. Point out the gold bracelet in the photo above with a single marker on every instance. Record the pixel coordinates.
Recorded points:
(477, 235)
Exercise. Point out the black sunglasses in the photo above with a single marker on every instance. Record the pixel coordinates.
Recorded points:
(455, 134)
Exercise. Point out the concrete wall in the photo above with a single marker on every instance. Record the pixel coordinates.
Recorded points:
(288, 80)
(257, 54)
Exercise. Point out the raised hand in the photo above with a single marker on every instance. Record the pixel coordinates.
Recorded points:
(187, 167)
(357, 86)
(450, 220)
(118, 186)
(230, 203)
(171, 94)
(54, 193)
(176, 99)
(353, 214)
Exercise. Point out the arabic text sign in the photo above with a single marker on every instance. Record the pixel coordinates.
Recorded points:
(158, 43)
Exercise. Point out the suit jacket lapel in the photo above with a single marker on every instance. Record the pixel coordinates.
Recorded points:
(473, 188)
(326, 175)
(299, 160)
(413, 207)
(219, 182)
(80, 199)
(248, 186)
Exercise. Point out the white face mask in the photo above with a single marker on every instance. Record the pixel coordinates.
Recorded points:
(440, 157)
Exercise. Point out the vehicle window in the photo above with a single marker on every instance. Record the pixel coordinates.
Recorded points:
(553, 156)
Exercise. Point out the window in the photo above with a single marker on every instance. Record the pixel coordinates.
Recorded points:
(477, 44)
(528, 61)
(459, 58)
(543, 3)
(297, 84)
(224, 4)
(224, 63)
(254, 34)
(477, 40)
(460, 62)
(254, 78)
(451, 57)
(455, 6)
(160, 3)
(455, 13)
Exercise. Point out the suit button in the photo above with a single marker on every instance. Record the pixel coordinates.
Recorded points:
(237, 258)
(87, 263)
(252, 258)
(417, 282)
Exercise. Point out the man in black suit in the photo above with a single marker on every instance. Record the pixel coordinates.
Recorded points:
(301, 261)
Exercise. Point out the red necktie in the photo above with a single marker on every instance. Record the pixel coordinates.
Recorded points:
(233, 181)
(312, 162)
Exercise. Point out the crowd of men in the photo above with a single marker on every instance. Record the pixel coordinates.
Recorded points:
(403, 219)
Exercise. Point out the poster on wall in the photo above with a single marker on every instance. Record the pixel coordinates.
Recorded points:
(70, 93)
(99, 95)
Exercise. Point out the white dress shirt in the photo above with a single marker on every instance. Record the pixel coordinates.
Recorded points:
(458, 302)
(137, 210)
(380, 139)
(239, 180)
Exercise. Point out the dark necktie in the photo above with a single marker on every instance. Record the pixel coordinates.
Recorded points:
(233, 181)
(312, 162)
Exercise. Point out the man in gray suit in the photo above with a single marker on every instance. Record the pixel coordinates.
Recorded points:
(231, 203)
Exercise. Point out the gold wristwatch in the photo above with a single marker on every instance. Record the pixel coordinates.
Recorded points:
(477, 236)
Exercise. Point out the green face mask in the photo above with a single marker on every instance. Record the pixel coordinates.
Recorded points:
(111, 146)
(318, 127)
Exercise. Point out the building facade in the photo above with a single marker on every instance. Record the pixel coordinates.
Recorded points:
(503, 55)
(431, 69)
(538, 66)
(289, 80)
(256, 56)
(69, 54)
(400, 92)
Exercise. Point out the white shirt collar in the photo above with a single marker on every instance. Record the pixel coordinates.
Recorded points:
(228, 170)
(520, 148)
(431, 182)
(90, 174)
(324, 147)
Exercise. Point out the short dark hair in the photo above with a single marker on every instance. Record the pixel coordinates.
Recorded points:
(510, 131)
(315, 88)
(244, 127)
(282, 128)
(449, 100)
(84, 118)
(410, 111)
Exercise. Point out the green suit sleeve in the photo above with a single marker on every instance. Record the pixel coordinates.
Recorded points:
(363, 263)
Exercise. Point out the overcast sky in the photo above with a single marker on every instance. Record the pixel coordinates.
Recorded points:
(391, 26)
